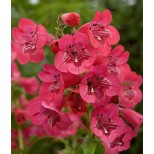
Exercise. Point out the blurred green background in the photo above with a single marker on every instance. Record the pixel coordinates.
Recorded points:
(127, 18)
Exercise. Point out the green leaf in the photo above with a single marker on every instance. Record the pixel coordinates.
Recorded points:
(99, 149)
(79, 150)
(89, 146)
(46, 145)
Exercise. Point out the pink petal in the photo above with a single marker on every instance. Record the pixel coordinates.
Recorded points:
(92, 56)
(18, 35)
(85, 96)
(34, 112)
(46, 77)
(49, 68)
(115, 87)
(37, 56)
(65, 41)
(114, 35)
(83, 39)
(103, 18)
(84, 28)
(60, 63)
(93, 41)
(22, 57)
(70, 79)
(43, 36)
(51, 130)
(25, 24)
(117, 51)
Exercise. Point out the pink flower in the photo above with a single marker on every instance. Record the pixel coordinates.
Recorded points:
(101, 34)
(133, 117)
(73, 128)
(98, 86)
(20, 116)
(130, 94)
(53, 121)
(120, 142)
(30, 85)
(105, 122)
(76, 103)
(75, 55)
(31, 38)
(71, 19)
(53, 85)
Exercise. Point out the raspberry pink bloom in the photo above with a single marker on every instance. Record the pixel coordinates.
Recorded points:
(120, 142)
(101, 34)
(130, 94)
(71, 19)
(52, 87)
(53, 121)
(105, 122)
(31, 38)
(76, 103)
(133, 117)
(73, 128)
(31, 85)
(75, 55)
(98, 86)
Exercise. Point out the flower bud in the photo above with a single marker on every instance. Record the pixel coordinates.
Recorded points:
(133, 117)
(55, 46)
(71, 19)
(20, 116)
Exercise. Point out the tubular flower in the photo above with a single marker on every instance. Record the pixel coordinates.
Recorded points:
(75, 55)
(98, 86)
(101, 34)
(53, 121)
(31, 38)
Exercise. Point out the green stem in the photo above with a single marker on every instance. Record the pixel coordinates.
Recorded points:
(20, 139)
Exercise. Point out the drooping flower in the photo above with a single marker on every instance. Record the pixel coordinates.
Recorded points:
(75, 55)
(71, 19)
(31, 85)
(53, 121)
(105, 122)
(130, 94)
(31, 39)
(76, 103)
(53, 85)
(98, 86)
(101, 34)
(133, 117)
(120, 142)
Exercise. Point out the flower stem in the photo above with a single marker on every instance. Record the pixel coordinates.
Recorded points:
(20, 139)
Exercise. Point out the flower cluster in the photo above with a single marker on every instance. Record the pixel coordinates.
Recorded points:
(88, 76)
